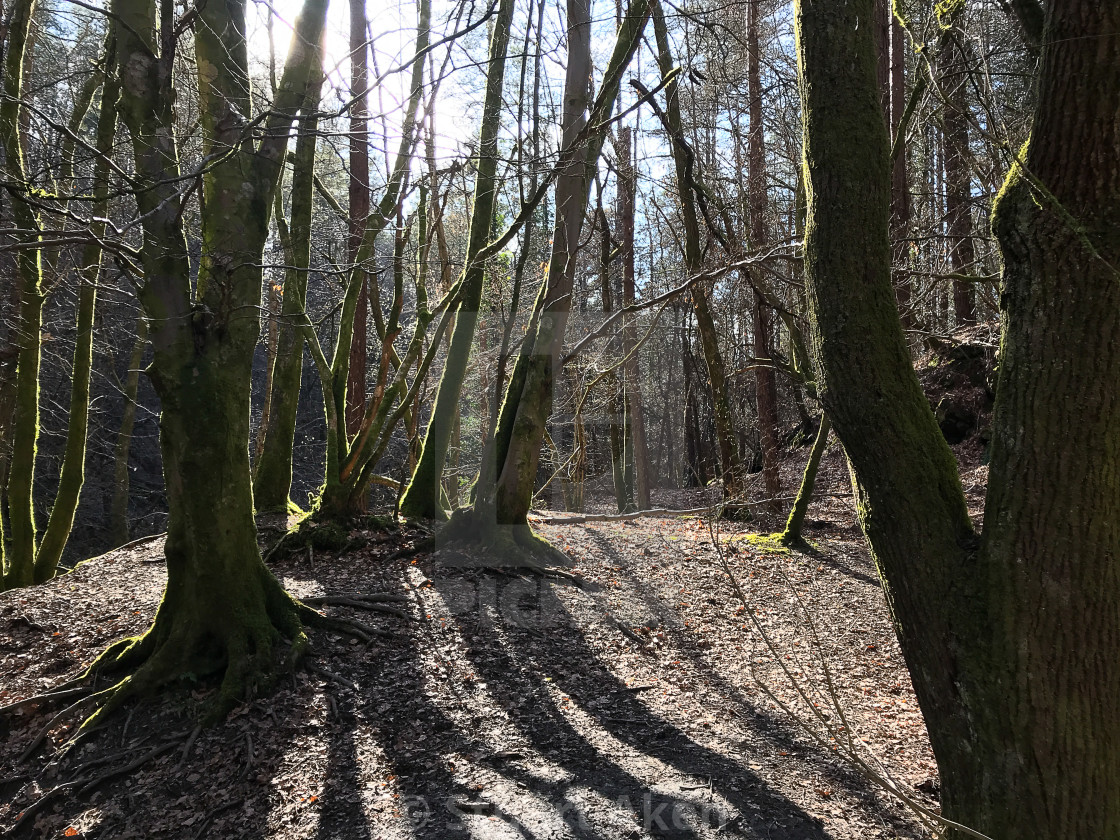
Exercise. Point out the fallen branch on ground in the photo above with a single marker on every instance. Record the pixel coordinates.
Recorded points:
(614, 517)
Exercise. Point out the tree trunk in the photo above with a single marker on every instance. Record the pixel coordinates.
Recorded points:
(900, 190)
(25, 561)
(766, 387)
(359, 210)
(222, 610)
(118, 507)
(422, 496)
(635, 413)
(1010, 643)
(792, 533)
(705, 322)
(958, 178)
(272, 482)
(1047, 762)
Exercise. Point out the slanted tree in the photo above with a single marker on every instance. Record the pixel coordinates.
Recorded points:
(505, 495)
(1010, 638)
(272, 478)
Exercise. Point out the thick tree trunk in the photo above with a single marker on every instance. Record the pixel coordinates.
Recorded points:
(222, 611)
(1047, 762)
(1011, 644)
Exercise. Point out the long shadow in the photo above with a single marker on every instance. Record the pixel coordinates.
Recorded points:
(773, 730)
(527, 661)
(558, 779)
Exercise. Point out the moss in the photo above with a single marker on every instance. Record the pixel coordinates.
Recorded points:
(769, 543)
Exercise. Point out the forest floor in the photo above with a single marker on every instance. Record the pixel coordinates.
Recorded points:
(643, 702)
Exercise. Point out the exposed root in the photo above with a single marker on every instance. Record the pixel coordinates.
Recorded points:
(373, 603)
(348, 626)
(84, 784)
(39, 700)
(330, 676)
(504, 547)
(69, 712)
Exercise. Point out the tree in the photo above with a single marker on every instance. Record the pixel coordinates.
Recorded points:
(223, 610)
(516, 444)
(25, 557)
(421, 497)
(1010, 638)
(766, 386)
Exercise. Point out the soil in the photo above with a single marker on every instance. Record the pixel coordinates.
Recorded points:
(647, 700)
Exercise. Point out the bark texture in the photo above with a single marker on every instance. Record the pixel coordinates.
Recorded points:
(1011, 643)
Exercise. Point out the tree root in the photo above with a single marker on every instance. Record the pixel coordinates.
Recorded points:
(348, 626)
(513, 548)
(373, 603)
(61, 693)
(86, 783)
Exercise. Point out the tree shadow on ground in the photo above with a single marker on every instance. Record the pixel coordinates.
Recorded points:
(776, 732)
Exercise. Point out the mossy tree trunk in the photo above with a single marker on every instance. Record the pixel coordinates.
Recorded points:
(350, 460)
(422, 496)
(528, 401)
(222, 610)
(24, 557)
(792, 533)
(359, 195)
(272, 481)
(1011, 642)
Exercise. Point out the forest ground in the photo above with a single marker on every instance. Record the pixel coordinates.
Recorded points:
(638, 704)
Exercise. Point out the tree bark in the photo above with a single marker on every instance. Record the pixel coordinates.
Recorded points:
(766, 386)
(118, 507)
(1010, 642)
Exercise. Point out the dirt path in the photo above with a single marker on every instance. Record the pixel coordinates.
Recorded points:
(505, 706)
